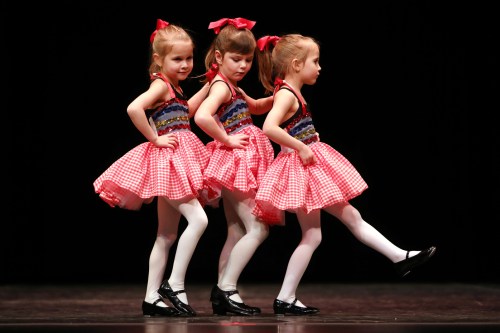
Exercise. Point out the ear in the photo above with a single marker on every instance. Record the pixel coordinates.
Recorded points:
(218, 57)
(297, 65)
(157, 59)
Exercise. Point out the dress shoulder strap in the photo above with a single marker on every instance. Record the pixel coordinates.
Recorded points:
(284, 85)
(233, 91)
(160, 76)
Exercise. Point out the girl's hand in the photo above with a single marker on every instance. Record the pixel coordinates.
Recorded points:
(237, 141)
(166, 141)
(307, 155)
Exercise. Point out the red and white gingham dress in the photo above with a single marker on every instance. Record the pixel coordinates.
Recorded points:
(289, 185)
(148, 171)
(241, 169)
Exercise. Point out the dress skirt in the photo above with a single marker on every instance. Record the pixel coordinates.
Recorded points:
(289, 185)
(148, 171)
(240, 169)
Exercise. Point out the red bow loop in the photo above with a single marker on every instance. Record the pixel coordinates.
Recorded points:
(238, 22)
(278, 82)
(210, 74)
(160, 24)
(264, 42)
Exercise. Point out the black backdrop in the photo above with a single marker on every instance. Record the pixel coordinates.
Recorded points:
(408, 92)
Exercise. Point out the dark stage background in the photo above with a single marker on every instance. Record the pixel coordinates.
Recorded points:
(408, 92)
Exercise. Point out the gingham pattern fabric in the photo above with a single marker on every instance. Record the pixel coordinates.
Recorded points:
(240, 169)
(148, 171)
(289, 185)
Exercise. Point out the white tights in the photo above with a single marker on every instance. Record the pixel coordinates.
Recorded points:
(244, 235)
(311, 237)
(365, 233)
(169, 215)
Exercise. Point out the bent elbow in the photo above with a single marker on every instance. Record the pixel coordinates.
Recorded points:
(131, 111)
(267, 130)
(197, 118)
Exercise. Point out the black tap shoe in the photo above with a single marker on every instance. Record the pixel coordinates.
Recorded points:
(222, 304)
(149, 309)
(405, 266)
(284, 308)
(166, 291)
(255, 310)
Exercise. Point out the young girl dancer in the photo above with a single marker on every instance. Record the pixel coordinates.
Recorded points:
(307, 175)
(240, 156)
(169, 166)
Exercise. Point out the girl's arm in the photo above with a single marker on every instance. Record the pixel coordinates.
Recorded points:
(258, 106)
(204, 117)
(195, 101)
(285, 102)
(137, 113)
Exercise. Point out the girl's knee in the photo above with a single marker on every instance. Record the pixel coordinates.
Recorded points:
(264, 234)
(317, 238)
(203, 223)
(199, 224)
(260, 232)
(313, 237)
(166, 239)
(351, 217)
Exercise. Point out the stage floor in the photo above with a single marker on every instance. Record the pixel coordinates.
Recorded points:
(344, 308)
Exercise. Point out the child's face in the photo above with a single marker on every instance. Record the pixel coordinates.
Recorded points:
(235, 65)
(178, 63)
(311, 69)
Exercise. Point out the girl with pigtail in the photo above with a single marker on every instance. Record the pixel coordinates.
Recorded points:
(169, 166)
(307, 175)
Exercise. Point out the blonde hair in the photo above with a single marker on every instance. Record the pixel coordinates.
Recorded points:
(275, 62)
(163, 42)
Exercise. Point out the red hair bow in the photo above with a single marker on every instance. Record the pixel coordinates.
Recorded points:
(238, 22)
(263, 43)
(278, 82)
(160, 24)
(210, 74)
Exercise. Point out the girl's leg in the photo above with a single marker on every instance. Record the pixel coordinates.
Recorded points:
(168, 222)
(235, 231)
(365, 233)
(256, 232)
(197, 223)
(310, 225)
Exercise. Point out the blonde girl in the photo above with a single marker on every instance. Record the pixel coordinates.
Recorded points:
(307, 175)
(169, 166)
